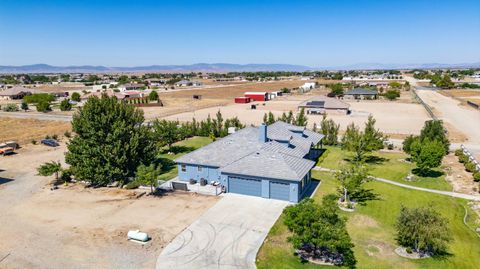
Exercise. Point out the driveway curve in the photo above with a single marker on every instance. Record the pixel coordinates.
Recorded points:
(228, 235)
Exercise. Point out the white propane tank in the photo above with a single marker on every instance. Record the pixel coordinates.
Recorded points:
(137, 235)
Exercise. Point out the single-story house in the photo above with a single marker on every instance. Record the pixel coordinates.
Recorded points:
(186, 83)
(17, 92)
(272, 161)
(257, 96)
(131, 87)
(322, 104)
(361, 93)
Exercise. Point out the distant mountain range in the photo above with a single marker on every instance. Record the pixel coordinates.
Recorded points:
(218, 67)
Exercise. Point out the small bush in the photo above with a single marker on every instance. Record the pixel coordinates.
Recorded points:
(66, 175)
(47, 137)
(409, 250)
(470, 167)
(43, 106)
(458, 152)
(67, 134)
(76, 97)
(132, 185)
(34, 142)
(463, 158)
(55, 137)
(10, 108)
(476, 176)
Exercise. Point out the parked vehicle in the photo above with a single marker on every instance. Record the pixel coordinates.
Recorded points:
(50, 142)
(6, 150)
(11, 144)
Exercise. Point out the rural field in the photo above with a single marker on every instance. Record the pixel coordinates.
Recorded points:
(42, 228)
(25, 130)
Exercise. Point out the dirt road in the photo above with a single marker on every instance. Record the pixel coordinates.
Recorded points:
(465, 119)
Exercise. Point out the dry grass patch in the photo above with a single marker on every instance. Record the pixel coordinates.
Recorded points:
(24, 130)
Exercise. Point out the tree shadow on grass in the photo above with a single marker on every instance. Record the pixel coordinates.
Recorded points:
(167, 164)
(365, 195)
(375, 160)
(427, 173)
(178, 149)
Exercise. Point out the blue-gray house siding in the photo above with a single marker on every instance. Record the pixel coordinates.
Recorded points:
(197, 172)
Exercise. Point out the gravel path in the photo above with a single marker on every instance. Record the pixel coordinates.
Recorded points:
(447, 193)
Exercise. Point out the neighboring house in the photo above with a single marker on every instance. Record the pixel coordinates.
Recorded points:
(156, 82)
(272, 161)
(307, 86)
(257, 96)
(17, 92)
(360, 94)
(323, 104)
(131, 87)
(186, 83)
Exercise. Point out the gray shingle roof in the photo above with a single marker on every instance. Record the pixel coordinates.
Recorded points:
(268, 164)
(361, 91)
(225, 150)
(244, 147)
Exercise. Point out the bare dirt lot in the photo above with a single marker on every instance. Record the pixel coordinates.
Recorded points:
(181, 99)
(74, 227)
(24, 130)
(396, 118)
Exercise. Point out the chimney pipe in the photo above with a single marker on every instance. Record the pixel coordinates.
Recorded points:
(263, 133)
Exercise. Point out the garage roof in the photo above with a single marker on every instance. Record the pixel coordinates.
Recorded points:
(269, 164)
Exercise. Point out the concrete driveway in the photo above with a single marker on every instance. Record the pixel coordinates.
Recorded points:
(228, 235)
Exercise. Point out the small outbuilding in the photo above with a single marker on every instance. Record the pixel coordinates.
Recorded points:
(361, 94)
(242, 100)
(322, 104)
(257, 96)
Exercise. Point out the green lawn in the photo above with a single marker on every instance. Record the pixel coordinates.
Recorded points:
(372, 230)
(178, 149)
(388, 165)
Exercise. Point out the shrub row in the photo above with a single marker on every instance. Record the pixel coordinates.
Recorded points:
(469, 166)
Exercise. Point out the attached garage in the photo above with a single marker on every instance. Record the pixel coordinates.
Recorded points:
(279, 190)
(245, 186)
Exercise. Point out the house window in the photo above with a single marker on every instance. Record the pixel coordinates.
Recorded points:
(199, 169)
(184, 168)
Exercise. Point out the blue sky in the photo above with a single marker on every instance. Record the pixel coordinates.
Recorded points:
(313, 33)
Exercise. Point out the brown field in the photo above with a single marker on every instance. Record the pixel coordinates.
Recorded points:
(460, 93)
(24, 130)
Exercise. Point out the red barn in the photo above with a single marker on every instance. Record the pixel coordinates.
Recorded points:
(242, 100)
(257, 96)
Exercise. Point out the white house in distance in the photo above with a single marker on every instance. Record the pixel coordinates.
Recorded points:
(307, 86)
(131, 87)
(186, 83)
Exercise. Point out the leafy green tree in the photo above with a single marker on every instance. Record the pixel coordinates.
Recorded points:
(352, 178)
(320, 231)
(110, 142)
(330, 130)
(153, 96)
(166, 132)
(423, 229)
(407, 143)
(43, 106)
(361, 143)
(76, 97)
(395, 85)
(392, 94)
(50, 168)
(38, 97)
(434, 130)
(290, 118)
(24, 106)
(336, 89)
(301, 118)
(427, 154)
(148, 175)
(65, 105)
